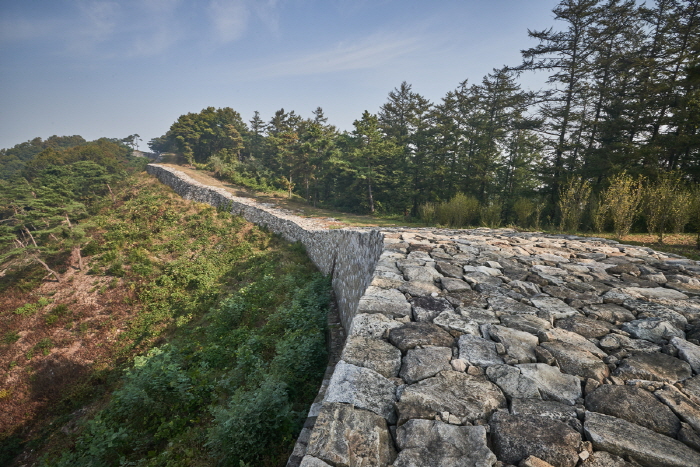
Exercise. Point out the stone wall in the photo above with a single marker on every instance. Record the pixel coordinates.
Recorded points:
(348, 255)
(498, 348)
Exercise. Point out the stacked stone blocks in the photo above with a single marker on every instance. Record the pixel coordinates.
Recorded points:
(498, 348)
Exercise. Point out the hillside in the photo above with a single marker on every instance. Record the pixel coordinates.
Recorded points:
(152, 282)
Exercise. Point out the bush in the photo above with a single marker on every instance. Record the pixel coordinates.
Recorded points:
(681, 212)
(573, 199)
(665, 204)
(621, 202)
(426, 212)
(254, 423)
(524, 208)
(491, 215)
(461, 210)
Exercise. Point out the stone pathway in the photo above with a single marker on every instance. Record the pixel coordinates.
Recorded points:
(497, 348)
(481, 348)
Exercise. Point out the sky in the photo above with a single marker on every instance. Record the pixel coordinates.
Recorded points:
(116, 68)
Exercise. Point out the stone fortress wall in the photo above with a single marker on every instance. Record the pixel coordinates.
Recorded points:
(349, 255)
(496, 348)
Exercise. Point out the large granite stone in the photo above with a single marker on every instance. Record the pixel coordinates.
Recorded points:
(688, 352)
(465, 396)
(454, 285)
(507, 305)
(635, 405)
(391, 302)
(550, 409)
(434, 443)
(309, 461)
(373, 325)
(478, 315)
(552, 383)
(411, 335)
(654, 367)
(450, 320)
(419, 364)
(648, 448)
(527, 323)
(345, 435)
(425, 309)
(655, 330)
(610, 312)
(571, 338)
(479, 278)
(657, 293)
(574, 361)
(515, 437)
(645, 309)
(418, 289)
(362, 388)
(375, 354)
(449, 269)
(553, 307)
(478, 351)
(585, 327)
(420, 273)
(605, 459)
(519, 345)
(513, 384)
(681, 405)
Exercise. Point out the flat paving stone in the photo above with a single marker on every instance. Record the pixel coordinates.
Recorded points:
(345, 435)
(465, 396)
(432, 442)
(654, 367)
(635, 405)
(516, 437)
(648, 448)
(411, 335)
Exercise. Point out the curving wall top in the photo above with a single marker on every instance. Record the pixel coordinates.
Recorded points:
(348, 255)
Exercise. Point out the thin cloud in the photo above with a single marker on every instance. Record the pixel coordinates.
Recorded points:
(21, 29)
(229, 18)
(99, 21)
(372, 52)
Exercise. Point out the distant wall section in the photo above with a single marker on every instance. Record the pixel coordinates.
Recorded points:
(348, 255)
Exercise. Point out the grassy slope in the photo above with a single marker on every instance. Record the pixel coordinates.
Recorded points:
(154, 267)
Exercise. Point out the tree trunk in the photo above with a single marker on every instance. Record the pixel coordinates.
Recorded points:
(46, 266)
(371, 200)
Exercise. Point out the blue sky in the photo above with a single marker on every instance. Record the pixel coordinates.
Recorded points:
(115, 68)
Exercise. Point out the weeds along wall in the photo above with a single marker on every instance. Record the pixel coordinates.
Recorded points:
(348, 255)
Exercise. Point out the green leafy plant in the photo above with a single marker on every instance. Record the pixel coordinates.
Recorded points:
(461, 210)
(621, 201)
(573, 199)
(10, 337)
(524, 209)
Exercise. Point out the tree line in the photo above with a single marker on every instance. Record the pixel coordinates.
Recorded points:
(622, 96)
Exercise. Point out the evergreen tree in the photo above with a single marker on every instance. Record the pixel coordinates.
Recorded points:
(567, 54)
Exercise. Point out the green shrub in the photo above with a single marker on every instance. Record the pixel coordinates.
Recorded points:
(681, 212)
(665, 204)
(461, 210)
(254, 423)
(491, 215)
(10, 337)
(524, 209)
(426, 212)
(30, 308)
(621, 201)
(573, 199)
